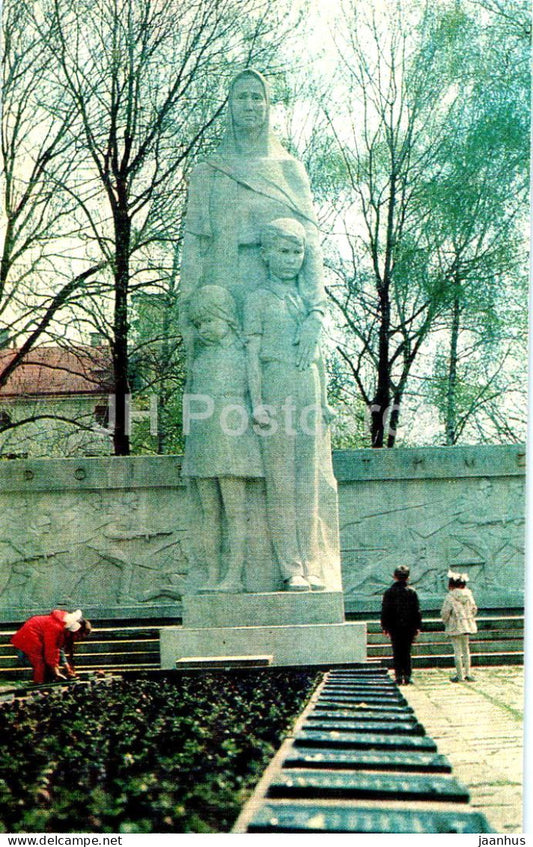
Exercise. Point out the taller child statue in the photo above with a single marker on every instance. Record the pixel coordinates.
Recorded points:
(249, 181)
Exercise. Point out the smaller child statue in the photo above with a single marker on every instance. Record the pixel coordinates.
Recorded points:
(221, 449)
(288, 396)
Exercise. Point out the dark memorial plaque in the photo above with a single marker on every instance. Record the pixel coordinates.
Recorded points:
(371, 682)
(356, 690)
(287, 817)
(363, 698)
(389, 727)
(340, 785)
(360, 708)
(362, 715)
(385, 684)
(353, 673)
(335, 738)
(385, 681)
(389, 760)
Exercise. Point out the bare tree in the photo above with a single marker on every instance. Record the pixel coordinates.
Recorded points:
(37, 151)
(381, 278)
(143, 78)
(419, 216)
(515, 15)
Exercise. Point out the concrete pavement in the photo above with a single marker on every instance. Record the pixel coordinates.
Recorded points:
(479, 727)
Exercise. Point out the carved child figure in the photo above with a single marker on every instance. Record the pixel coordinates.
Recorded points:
(289, 406)
(221, 450)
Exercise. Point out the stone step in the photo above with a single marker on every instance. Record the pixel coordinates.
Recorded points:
(499, 641)
(92, 646)
(478, 660)
(103, 633)
(434, 637)
(99, 660)
(124, 644)
(113, 649)
(222, 662)
(435, 624)
(438, 648)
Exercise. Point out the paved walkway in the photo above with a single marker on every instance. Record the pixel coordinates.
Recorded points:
(479, 727)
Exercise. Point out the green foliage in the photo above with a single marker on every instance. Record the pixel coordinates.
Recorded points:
(169, 437)
(426, 130)
(174, 755)
(349, 427)
(156, 364)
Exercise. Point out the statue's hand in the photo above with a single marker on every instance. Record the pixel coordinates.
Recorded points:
(261, 416)
(328, 414)
(307, 340)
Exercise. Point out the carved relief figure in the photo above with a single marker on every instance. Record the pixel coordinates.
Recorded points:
(221, 450)
(289, 403)
(481, 529)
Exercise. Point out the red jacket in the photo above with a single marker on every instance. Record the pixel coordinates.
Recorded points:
(41, 637)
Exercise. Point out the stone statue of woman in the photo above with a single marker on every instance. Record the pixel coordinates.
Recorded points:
(250, 181)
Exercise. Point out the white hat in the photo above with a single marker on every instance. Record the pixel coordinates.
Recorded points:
(72, 620)
(458, 577)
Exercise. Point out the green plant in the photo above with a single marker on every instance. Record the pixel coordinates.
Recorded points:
(173, 754)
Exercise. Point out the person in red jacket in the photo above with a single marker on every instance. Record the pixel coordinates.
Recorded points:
(42, 637)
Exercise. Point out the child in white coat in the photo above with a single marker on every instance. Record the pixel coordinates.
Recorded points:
(458, 613)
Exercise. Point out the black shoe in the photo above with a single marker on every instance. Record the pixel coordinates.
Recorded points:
(407, 680)
(398, 680)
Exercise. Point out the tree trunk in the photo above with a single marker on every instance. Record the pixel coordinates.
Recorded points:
(162, 393)
(121, 434)
(451, 388)
(394, 417)
(381, 401)
(5, 264)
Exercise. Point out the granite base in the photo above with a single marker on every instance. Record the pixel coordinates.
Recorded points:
(302, 644)
(279, 608)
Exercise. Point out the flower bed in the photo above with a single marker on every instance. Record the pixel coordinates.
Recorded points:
(176, 754)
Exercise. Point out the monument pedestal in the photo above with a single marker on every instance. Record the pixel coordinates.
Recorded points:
(295, 629)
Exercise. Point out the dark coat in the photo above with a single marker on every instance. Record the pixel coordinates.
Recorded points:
(400, 609)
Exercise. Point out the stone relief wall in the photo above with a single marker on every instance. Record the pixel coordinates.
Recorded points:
(116, 549)
(90, 549)
(433, 509)
(117, 537)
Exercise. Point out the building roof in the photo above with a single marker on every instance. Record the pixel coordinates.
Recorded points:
(58, 371)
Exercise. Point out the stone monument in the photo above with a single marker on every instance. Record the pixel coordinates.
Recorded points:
(256, 421)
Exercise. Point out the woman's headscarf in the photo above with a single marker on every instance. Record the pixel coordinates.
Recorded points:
(218, 209)
(266, 144)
